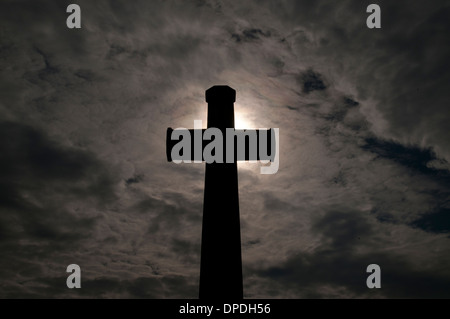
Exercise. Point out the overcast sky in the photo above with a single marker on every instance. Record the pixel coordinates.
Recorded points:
(364, 171)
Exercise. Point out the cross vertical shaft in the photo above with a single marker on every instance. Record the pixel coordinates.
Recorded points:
(221, 261)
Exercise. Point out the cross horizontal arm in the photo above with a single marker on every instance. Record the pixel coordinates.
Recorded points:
(232, 145)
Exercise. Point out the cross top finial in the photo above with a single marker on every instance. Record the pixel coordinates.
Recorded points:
(220, 94)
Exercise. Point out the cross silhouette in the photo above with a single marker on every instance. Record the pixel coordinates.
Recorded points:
(221, 262)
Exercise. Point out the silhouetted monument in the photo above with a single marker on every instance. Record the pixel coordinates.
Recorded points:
(221, 263)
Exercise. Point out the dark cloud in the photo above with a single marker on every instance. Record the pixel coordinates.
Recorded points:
(419, 64)
(32, 166)
(350, 102)
(186, 250)
(340, 110)
(48, 68)
(134, 180)
(337, 268)
(342, 229)
(168, 218)
(413, 157)
(173, 207)
(249, 35)
(45, 186)
(85, 74)
(311, 81)
(436, 222)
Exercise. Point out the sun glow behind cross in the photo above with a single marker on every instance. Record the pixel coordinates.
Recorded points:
(241, 119)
